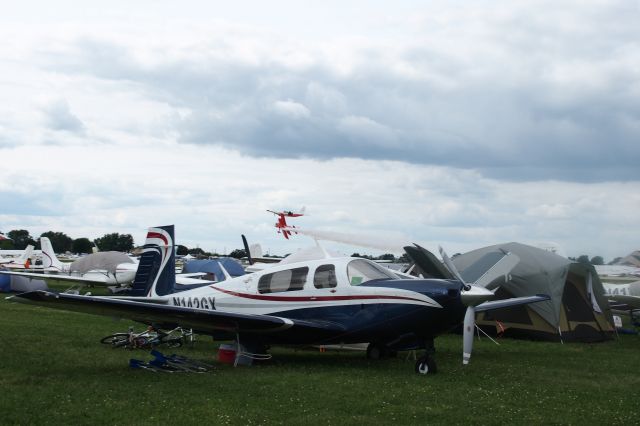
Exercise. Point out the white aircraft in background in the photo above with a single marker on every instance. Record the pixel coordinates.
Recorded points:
(21, 262)
(102, 268)
(623, 297)
(109, 268)
(605, 271)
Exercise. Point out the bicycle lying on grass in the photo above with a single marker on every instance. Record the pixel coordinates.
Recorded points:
(150, 338)
(171, 364)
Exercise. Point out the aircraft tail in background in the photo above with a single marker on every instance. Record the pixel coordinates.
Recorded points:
(49, 258)
(156, 275)
(25, 259)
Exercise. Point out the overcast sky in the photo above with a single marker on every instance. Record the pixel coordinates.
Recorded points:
(454, 123)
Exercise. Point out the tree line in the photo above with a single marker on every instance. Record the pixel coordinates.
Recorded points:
(62, 243)
(595, 260)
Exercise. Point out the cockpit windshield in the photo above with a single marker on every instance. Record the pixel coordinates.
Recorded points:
(360, 271)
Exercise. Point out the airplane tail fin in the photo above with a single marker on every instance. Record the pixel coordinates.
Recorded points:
(256, 250)
(26, 255)
(247, 249)
(253, 251)
(156, 275)
(49, 258)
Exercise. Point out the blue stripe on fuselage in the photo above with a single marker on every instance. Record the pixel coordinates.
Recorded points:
(383, 321)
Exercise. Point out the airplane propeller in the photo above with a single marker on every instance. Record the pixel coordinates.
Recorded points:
(471, 296)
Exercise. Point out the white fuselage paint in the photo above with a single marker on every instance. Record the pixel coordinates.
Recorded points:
(631, 289)
(241, 295)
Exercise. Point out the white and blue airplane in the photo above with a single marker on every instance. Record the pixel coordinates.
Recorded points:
(328, 300)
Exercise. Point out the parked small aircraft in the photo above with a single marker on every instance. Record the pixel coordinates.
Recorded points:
(114, 269)
(624, 297)
(282, 225)
(102, 268)
(325, 301)
(21, 262)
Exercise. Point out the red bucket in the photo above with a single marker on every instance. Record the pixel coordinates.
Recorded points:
(227, 354)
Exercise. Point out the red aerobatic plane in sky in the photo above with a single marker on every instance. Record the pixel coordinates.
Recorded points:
(282, 225)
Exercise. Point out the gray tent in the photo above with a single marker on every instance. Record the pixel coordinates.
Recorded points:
(104, 260)
(577, 311)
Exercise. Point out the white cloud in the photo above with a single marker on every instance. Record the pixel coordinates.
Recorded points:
(59, 117)
(367, 132)
(205, 115)
(214, 195)
(291, 109)
(505, 90)
(546, 211)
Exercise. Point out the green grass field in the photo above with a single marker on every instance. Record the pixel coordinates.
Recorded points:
(53, 370)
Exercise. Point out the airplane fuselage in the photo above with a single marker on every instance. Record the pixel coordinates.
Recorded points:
(631, 289)
(334, 291)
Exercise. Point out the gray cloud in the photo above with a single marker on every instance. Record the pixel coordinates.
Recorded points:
(16, 203)
(520, 98)
(59, 117)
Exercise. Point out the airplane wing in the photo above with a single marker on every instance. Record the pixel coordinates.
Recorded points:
(267, 259)
(501, 268)
(192, 275)
(56, 278)
(257, 267)
(205, 321)
(514, 301)
(623, 302)
(182, 280)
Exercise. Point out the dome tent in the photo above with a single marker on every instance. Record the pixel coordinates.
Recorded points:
(577, 311)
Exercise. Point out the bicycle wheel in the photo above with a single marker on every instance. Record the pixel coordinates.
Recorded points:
(172, 342)
(116, 340)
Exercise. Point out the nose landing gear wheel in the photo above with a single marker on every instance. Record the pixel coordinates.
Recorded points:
(426, 365)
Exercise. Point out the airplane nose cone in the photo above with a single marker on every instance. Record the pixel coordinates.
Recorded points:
(475, 296)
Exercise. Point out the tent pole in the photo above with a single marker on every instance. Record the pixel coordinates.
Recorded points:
(485, 333)
(594, 305)
(560, 333)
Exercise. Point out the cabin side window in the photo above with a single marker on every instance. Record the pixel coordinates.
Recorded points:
(360, 271)
(287, 280)
(325, 277)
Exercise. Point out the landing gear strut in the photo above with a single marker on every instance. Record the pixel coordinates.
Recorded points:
(426, 364)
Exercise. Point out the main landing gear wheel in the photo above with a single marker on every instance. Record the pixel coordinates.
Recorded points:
(426, 365)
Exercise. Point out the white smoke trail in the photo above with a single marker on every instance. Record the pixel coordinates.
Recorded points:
(392, 246)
